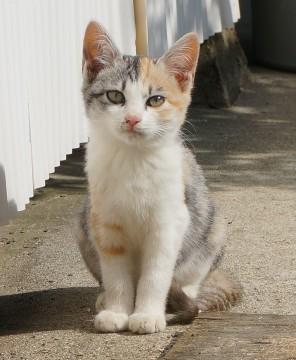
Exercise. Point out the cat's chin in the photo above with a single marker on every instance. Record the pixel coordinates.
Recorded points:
(136, 138)
(144, 140)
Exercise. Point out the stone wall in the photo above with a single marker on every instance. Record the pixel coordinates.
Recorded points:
(222, 68)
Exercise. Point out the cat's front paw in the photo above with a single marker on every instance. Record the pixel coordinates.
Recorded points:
(144, 323)
(109, 321)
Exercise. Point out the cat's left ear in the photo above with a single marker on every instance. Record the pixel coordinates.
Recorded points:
(99, 51)
(181, 60)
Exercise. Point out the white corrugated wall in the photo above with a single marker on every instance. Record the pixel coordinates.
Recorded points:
(41, 112)
(168, 20)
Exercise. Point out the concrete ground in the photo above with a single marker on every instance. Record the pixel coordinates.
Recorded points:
(248, 153)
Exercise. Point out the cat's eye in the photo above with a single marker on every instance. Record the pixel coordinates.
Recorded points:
(116, 97)
(155, 101)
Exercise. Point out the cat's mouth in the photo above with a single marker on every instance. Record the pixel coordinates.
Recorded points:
(131, 133)
(135, 134)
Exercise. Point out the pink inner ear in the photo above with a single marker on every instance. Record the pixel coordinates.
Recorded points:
(182, 79)
(93, 65)
(98, 48)
(181, 60)
(90, 47)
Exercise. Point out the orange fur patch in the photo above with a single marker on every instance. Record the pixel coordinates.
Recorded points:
(107, 235)
(112, 250)
(157, 76)
(114, 227)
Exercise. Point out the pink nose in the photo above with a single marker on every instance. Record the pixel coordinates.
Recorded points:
(132, 121)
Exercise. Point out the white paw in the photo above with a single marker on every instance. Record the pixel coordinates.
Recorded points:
(109, 321)
(100, 303)
(143, 323)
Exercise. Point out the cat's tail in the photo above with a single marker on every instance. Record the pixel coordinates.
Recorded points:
(218, 293)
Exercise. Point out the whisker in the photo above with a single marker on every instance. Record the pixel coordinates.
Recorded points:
(192, 126)
(187, 140)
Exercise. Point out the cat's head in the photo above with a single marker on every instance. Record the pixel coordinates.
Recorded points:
(137, 99)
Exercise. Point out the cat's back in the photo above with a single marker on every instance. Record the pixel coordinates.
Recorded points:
(197, 200)
(193, 177)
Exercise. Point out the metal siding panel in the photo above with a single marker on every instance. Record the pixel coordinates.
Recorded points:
(15, 165)
(168, 20)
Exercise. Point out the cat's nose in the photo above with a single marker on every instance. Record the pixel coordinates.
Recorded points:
(132, 121)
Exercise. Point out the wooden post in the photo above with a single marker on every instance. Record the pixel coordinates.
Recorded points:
(141, 27)
(230, 336)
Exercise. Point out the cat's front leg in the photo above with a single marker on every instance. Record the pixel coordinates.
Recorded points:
(118, 295)
(117, 280)
(158, 262)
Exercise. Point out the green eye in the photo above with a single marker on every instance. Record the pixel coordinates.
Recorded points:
(116, 97)
(155, 101)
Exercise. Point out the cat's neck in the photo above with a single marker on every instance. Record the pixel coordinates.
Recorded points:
(110, 163)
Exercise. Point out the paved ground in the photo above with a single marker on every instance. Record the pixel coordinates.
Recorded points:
(249, 155)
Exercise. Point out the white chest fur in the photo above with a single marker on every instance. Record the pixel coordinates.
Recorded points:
(132, 186)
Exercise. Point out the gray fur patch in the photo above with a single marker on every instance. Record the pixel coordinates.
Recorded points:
(202, 213)
(113, 77)
(86, 247)
(218, 259)
(133, 63)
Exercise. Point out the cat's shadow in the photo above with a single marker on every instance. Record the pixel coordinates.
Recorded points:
(53, 309)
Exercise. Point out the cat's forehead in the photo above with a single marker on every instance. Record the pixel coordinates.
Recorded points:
(131, 65)
(130, 69)
(123, 69)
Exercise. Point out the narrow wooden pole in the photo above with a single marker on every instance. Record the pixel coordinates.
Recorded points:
(141, 27)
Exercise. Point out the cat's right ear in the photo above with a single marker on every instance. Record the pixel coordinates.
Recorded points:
(99, 50)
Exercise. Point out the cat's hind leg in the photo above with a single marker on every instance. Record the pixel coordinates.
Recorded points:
(100, 302)
(197, 259)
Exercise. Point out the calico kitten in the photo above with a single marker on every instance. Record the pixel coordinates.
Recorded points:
(149, 233)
